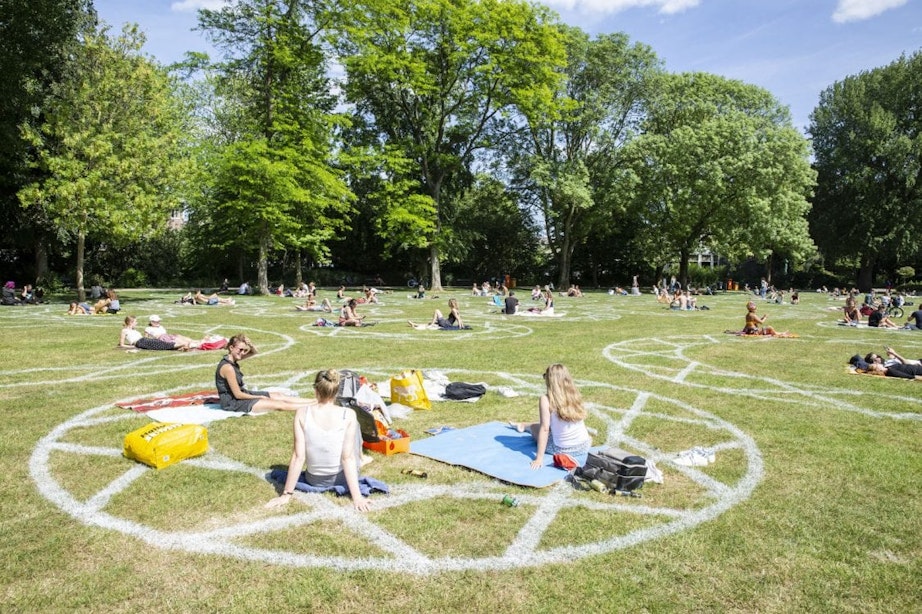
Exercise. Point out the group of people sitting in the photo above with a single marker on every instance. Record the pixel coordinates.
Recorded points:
(108, 303)
(27, 296)
(326, 446)
(878, 316)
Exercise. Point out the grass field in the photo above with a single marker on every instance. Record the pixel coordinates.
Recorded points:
(812, 504)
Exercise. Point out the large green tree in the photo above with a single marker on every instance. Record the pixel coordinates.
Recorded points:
(567, 159)
(36, 42)
(111, 146)
(275, 182)
(433, 80)
(721, 167)
(867, 138)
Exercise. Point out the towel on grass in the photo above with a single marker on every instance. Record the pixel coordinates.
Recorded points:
(495, 449)
(367, 485)
(193, 414)
(201, 397)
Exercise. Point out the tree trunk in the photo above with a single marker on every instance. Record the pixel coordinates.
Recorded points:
(435, 265)
(683, 267)
(263, 266)
(768, 269)
(299, 276)
(240, 271)
(78, 274)
(866, 274)
(41, 260)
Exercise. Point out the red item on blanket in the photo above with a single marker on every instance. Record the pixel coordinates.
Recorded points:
(183, 400)
(565, 461)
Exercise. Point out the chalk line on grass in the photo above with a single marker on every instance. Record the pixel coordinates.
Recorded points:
(396, 547)
(667, 359)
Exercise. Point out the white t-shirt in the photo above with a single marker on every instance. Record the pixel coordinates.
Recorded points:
(132, 336)
(155, 332)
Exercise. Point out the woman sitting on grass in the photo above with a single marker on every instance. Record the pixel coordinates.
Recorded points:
(326, 435)
(754, 322)
(452, 322)
(348, 316)
(561, 428)
(234, 394)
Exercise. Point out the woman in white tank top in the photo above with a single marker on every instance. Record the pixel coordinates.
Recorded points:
(327, 437)
(561, 427)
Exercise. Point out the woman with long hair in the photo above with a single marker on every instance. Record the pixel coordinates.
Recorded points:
(561, 426)
(452, 322)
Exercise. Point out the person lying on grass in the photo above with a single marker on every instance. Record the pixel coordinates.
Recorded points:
(311, 305)
(891, 359)
(905, 371)
(327, 436)
(131, 338)
(233, 393)
(561, 428)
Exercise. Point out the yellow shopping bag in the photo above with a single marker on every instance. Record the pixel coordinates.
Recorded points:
(407, 389)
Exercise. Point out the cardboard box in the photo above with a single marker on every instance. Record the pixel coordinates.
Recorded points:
(390, 446)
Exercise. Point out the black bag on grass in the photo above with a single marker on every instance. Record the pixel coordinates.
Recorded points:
(459, 391)
(616, 468)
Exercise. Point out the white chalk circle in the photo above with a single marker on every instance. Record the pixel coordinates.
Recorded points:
(500, 328)
(675, 359)
(707, 496)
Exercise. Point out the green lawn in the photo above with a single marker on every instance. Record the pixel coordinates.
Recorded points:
(812, 504)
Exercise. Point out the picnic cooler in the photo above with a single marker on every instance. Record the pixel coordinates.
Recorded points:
(616, 468)
(388, 446)
(161, 444)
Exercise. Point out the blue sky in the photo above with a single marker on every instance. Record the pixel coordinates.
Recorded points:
(793, 48)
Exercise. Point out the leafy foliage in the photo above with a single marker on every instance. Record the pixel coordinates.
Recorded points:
(867, 135)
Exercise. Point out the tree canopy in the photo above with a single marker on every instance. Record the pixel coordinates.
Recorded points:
(111, 146)
(721, 167)
(867, 138)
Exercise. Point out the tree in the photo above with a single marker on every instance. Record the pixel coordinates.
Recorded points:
(432, 80)
(36, 39)
(867, 138)
(721, 166)
(567, 158)
(111, 145)
(276, 183)
(492, 235)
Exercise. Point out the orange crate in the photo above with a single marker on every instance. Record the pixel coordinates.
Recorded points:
(390, 446)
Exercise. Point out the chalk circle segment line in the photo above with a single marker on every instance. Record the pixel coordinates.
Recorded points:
(523, 550)
(632, 354)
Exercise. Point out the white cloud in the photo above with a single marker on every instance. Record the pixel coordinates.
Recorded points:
(185, 6)
(857, 10)
(610, 7)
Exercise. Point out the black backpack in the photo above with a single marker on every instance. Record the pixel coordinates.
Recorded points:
(617, 469)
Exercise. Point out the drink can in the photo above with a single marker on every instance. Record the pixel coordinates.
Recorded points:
(599, 486)
(510, 501)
